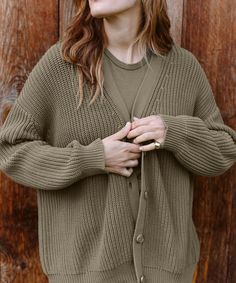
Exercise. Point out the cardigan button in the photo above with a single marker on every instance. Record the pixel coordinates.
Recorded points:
(141, 279)
(140, 238)
(145, 194)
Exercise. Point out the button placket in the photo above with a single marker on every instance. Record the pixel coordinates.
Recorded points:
(138, 238)
(133, 193)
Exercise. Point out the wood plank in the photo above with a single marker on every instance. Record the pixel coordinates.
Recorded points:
(27, 30)
(209, 31)
(67, 11)
(175, 12)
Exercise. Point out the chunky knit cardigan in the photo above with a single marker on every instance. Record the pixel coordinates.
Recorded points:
(87, 230)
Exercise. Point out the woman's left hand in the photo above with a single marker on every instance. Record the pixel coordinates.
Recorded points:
(146, 129)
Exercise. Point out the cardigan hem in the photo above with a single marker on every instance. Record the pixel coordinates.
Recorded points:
(125, 273)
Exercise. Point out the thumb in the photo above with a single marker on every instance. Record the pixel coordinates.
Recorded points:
(122, 132)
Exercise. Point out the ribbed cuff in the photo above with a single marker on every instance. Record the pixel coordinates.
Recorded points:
(92, 158)
(176, 131)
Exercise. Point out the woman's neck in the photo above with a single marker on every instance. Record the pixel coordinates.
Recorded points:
(121, 30)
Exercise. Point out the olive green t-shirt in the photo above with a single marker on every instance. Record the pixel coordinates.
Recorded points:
(127, 77)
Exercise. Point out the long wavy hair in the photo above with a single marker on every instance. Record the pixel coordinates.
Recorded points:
(84, 41)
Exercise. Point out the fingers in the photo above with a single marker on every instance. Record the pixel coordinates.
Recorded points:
(135, 155)
(127, 171)
(150, 146)
(120, 170)
(122, 133)
(142, 131)
(131, 147)
(152, 121)
(141, 121)
(148, 137)
(137, 131)
(131, 163)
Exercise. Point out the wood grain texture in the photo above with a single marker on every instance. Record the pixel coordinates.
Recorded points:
(209, 31)
(175, 12)
(67, 10)
(27, 29)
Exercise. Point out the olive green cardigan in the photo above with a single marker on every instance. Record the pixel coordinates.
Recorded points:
(87, 229)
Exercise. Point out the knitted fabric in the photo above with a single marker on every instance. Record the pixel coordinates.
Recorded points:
(87, 231)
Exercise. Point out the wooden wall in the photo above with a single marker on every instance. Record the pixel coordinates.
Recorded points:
(209, 31)
(27, 29)
(207, 28)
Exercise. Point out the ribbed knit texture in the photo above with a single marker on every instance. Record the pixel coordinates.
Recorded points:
(87, 229)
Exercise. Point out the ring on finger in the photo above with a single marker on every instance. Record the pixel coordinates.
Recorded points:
(157, 144)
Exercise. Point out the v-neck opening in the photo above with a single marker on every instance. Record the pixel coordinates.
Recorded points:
(145, 92)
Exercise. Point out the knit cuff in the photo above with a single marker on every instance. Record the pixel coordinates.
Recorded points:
(92, 158)
(176, 131)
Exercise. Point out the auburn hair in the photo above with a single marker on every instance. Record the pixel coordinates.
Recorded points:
(84, 41)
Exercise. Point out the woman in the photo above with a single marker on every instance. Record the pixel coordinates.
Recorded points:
(111, 210)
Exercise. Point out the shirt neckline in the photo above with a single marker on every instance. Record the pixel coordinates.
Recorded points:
(124, 65)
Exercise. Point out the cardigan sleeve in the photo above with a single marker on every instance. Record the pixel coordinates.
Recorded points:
(202, 143)
(25, 155)
(30, 161)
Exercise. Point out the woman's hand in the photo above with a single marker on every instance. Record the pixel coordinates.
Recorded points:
(120, 155)
(146, 130)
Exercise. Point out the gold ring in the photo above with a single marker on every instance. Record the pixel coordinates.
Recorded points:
(157, 144)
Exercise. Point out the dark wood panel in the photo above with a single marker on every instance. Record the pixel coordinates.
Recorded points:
(27, 29)
(209, 31)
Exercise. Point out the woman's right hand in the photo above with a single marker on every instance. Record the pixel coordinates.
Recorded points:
(121, 156)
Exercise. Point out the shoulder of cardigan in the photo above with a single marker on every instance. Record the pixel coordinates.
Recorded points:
(176, 52)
